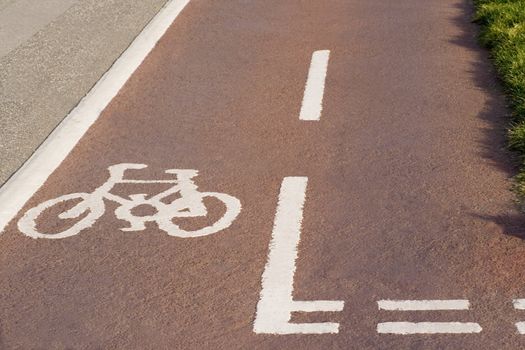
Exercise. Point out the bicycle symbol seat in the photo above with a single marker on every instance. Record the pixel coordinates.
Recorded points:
(91, 206)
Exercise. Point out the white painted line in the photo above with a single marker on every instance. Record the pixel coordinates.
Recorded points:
(32, 175)
(521, 327)
(317, 305)
(313, 92)
(421, 305)
(276, 302)
(519, 304)
(428, 328)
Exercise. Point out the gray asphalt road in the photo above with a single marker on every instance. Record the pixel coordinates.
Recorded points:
(51, 54)
(21, 19)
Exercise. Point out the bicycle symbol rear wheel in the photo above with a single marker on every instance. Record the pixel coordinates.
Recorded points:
(27, 224)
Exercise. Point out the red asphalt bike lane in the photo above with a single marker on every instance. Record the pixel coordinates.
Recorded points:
(406, 196)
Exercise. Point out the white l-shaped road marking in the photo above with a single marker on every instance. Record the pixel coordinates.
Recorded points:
(276, 302)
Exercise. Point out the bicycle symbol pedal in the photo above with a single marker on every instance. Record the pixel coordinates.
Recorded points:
(91, 206)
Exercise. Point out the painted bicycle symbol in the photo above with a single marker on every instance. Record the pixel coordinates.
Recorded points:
(91, 206)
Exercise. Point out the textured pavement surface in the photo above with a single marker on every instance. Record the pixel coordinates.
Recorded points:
(407, 199)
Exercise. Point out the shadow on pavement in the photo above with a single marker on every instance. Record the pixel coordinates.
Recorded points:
(511, 224)
(492, 145)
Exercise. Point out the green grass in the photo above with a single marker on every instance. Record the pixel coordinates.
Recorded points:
(503, 32)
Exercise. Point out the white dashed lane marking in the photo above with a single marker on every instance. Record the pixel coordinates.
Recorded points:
(420, 305)
(519, 304)
(406, 328)
(313, 92)
(426, 327)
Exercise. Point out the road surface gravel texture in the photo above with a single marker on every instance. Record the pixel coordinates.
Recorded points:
(407, 193)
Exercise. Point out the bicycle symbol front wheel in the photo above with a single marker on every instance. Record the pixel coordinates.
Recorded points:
(28, 223)
(233, 208)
